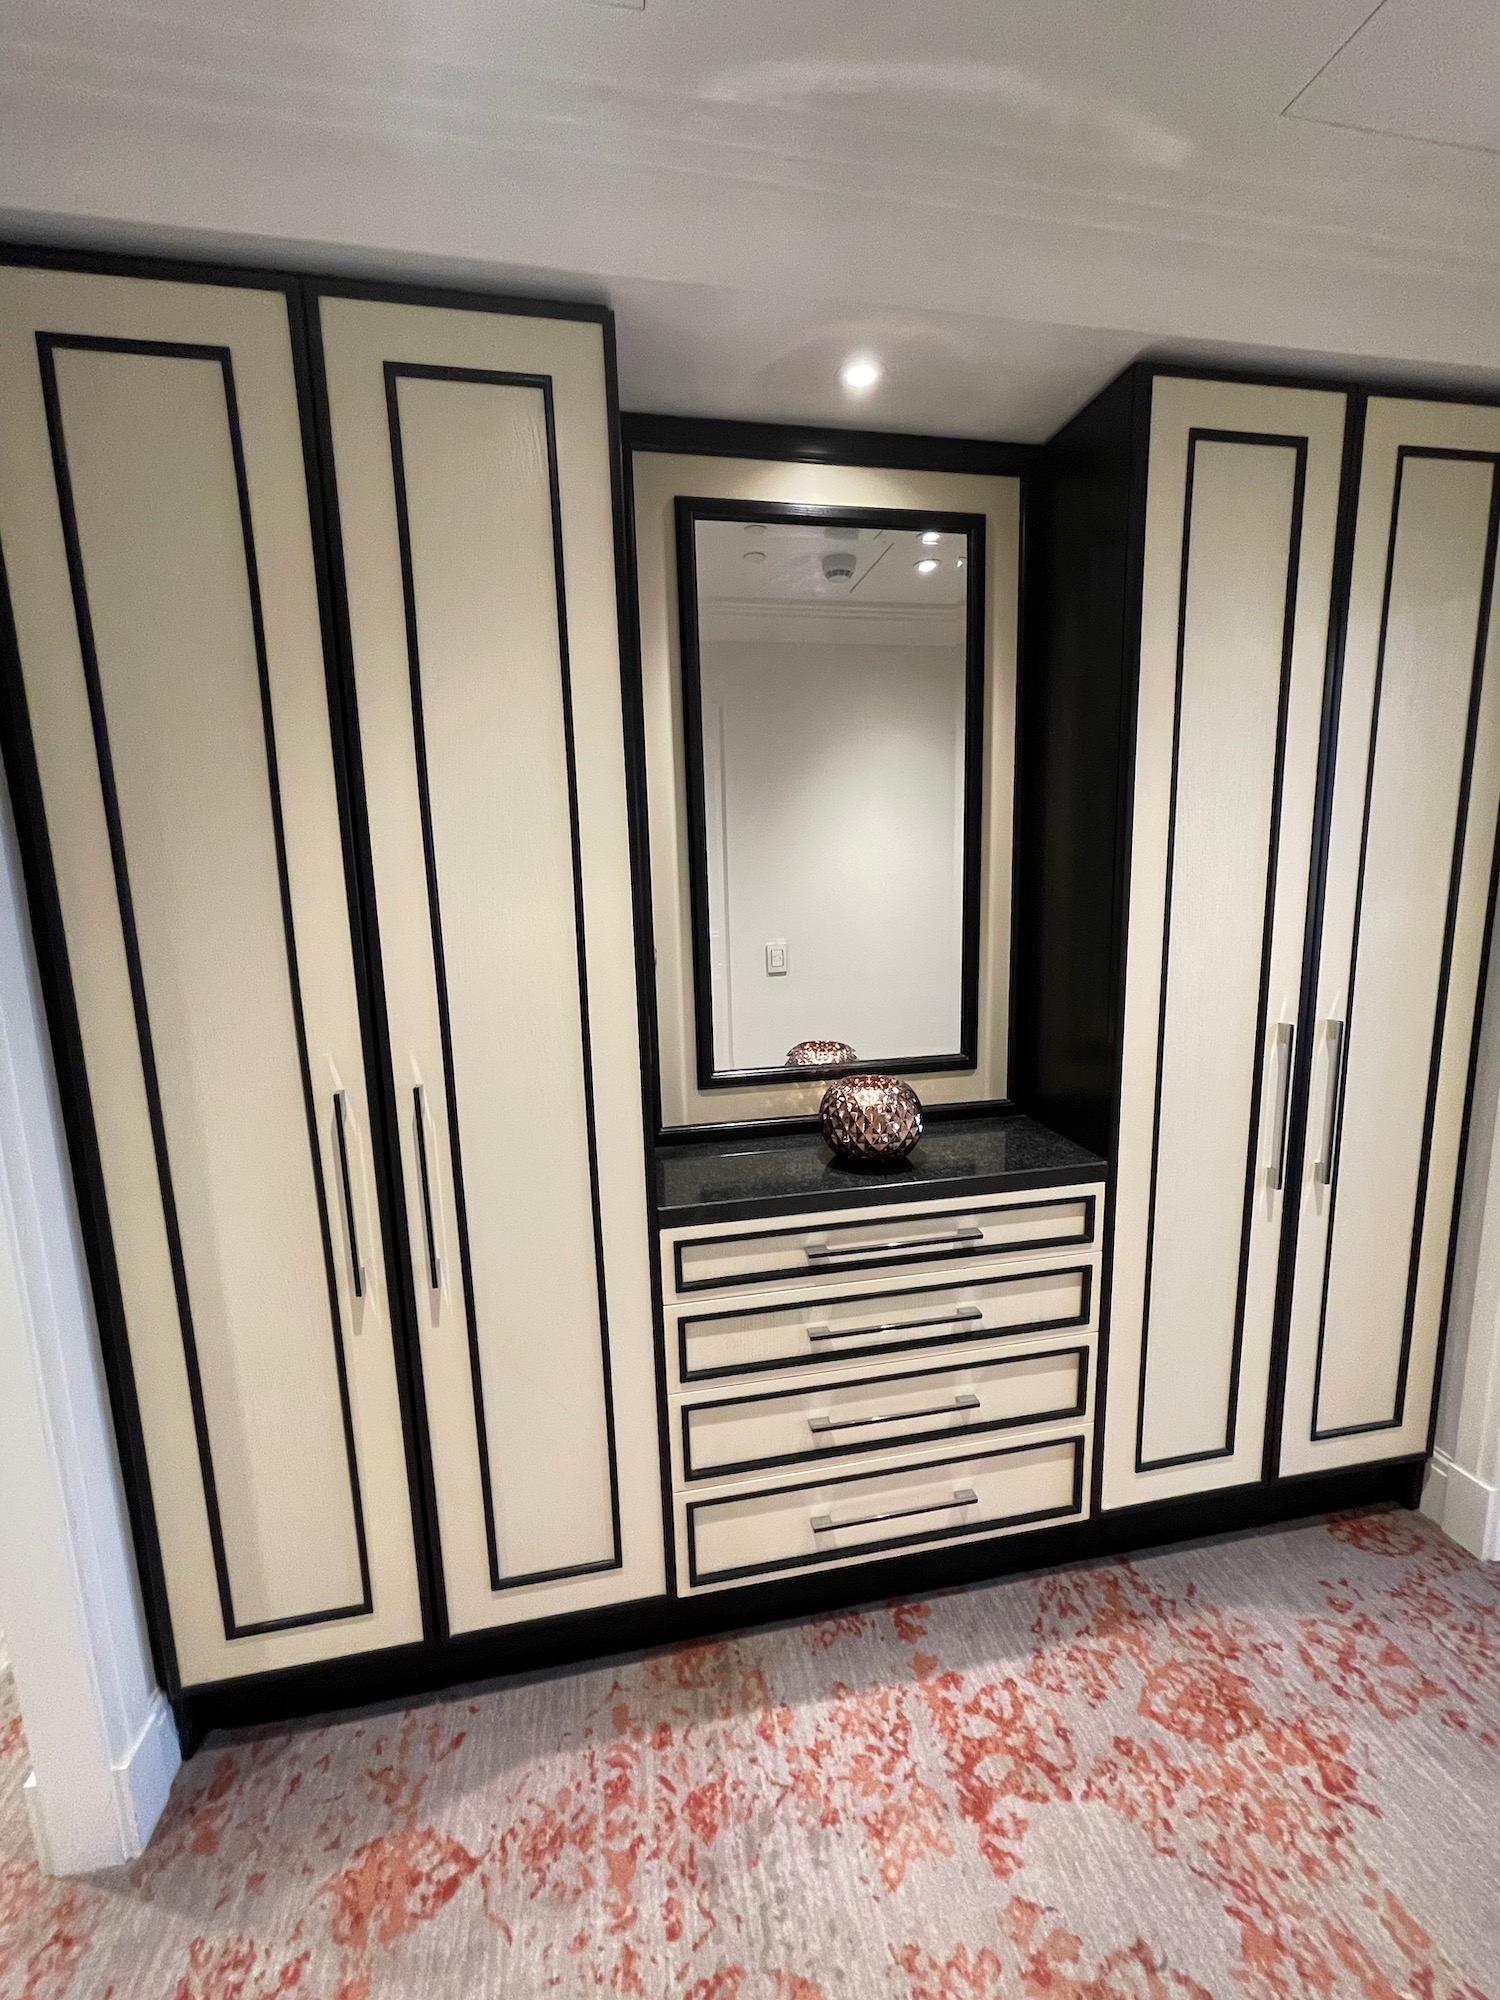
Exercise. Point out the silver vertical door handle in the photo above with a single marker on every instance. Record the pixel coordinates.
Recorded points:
(1323, 1172)
(1286, 1042)
(434, 1268)
(346, 1183)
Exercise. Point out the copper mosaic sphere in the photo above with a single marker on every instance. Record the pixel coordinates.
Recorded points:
(820, 1055)
(871, 1118)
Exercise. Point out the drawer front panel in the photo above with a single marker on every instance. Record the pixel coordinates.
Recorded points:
(794, 1527)
(874, 1243)
(714, 1345)
(831, 1420)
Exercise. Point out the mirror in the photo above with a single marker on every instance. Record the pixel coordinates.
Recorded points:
(833, 687)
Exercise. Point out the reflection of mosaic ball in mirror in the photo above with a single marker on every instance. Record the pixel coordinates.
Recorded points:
(871, 1117)
(820, 1055)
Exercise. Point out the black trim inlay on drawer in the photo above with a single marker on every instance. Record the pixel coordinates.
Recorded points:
(901, 1541)
(920, 1253)
(888, 1439)
(969, 1330)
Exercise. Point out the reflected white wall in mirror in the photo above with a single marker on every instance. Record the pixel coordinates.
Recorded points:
(837, 696)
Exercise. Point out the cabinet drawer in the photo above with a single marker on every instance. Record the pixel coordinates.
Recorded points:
(747, 1341)
(905, 1506)
(700, 1263)
(749, 1433)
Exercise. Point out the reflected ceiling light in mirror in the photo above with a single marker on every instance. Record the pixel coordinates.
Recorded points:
(926, 565)
(860, 372)
(932, 537)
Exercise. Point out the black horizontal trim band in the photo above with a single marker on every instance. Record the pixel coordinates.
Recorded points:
(817, 444)
(619, 1632)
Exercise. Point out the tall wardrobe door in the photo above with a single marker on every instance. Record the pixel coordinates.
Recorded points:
(1240, 522)
(473, 469)
(154, 521)
(1411, 846)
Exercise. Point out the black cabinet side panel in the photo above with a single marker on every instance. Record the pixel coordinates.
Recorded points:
(1076, 694)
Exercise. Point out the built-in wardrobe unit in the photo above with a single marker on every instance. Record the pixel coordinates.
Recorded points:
(412, 789)
(1261, 766)
(315, 732)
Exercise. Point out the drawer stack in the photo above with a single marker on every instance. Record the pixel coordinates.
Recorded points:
(858, 1383)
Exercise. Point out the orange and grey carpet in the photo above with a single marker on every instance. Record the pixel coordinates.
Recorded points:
(1263, 1768)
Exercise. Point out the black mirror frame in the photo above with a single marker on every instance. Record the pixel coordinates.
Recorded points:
(689, 509)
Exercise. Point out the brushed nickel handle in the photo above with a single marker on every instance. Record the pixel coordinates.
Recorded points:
(821, 1330)
(947, 1238)
(434, 1268)
(356, 1262)
(967, 1401)
(963, 1496)
(1286, 1042)
(1323, 1172)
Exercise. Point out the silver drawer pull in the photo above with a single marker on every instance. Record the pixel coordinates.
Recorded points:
(967, 1401)
(968, 1234)
(963, 1496)
(821, 1330)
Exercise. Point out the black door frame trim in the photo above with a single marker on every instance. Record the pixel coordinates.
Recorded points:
(394, 373)
(1317, 1433)
(688, 510)
(1298, 445)
(48, 345)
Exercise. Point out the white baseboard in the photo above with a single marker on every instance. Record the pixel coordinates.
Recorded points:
(38, 1825)
(1465, 1508)
(142, 1781)
(144, 1776)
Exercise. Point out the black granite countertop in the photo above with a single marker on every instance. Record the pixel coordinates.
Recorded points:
(750, 1174)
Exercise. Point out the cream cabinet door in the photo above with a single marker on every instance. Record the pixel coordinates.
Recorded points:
(1242, 502)
(155, 526)
(472, 461)
(1411, 845)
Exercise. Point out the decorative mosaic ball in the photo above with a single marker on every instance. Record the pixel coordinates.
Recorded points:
(820, 1055)
(871, 1118)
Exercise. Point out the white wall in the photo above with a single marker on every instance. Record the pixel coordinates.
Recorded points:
(841, 833)
(103, 1747)
(1463, 1483)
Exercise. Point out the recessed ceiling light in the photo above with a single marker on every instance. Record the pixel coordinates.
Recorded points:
(959, 564)
(755, 555)
(926, 564)
(931, 537)
(860, 373)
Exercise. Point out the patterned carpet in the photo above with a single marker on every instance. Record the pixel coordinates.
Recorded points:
(1266, 1768)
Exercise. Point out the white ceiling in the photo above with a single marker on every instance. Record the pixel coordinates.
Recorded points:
(1415, 69)
(1005, 201)
(781, 562)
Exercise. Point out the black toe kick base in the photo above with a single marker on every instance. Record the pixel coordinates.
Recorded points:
(620, 1631)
